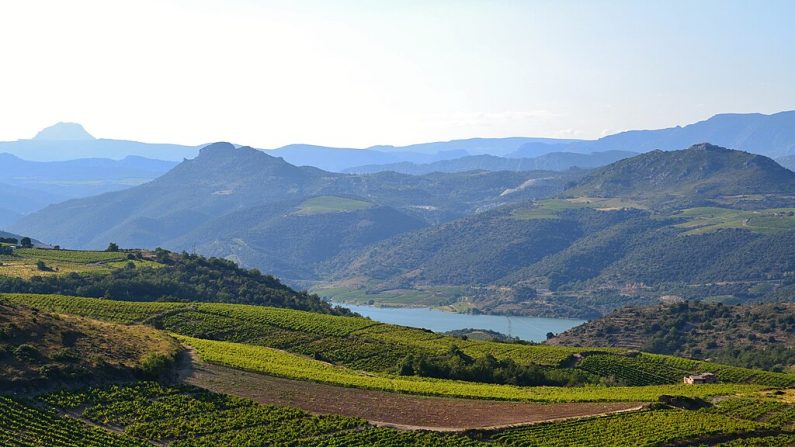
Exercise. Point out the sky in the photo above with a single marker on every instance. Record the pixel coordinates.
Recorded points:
(358, 73)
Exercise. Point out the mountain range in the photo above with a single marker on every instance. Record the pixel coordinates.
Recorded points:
(769, 135)
(553, 161)
(698, 223)
(27, 186)
(265, 212)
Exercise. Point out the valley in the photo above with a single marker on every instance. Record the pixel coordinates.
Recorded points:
(360, 381)
(397, 223)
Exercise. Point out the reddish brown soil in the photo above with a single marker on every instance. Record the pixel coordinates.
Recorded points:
(389, 409)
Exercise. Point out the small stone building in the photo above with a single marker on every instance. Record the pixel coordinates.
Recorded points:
(700, 378)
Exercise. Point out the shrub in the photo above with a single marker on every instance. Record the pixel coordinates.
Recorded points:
(154, 365)
(26, 352)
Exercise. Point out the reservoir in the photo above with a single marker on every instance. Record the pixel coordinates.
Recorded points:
(525, 328)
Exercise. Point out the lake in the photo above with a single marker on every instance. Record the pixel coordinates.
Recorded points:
(526, 328)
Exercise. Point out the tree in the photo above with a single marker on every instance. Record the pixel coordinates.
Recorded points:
(112, 247)
(26, 242)
(41, 266)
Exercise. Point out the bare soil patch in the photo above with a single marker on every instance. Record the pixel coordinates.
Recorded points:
(389, 409)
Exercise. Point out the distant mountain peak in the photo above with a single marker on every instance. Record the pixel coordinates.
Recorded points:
(703, 170)
(219, 147)
(64, 132)
(708, 147)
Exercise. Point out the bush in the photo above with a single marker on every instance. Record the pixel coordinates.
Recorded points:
(26, 352)
(155, 365)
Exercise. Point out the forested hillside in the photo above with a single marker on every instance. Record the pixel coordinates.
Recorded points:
(703, 222)
(751, 335)
(157, 275)
(245, 204)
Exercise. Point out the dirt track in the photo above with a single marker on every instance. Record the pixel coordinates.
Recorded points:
(389, 409)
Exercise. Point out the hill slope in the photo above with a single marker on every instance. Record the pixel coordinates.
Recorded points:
(554, 161)
(607, 241)
(39, 349)
(770, 135)
(754, 335)
(151, 276)
(703, 170)
(31, 185)
(243, 203)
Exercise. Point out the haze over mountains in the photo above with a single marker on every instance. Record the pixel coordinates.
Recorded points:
(769, 135)
(553, 161)
(69, 141)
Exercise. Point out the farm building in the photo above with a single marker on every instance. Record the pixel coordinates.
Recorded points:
(700, 378)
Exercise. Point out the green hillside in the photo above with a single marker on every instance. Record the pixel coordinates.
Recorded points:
(361, 344)
(182, 415)
(752, 335)
(702, 171)
(331, 204)
(157, 275)
(41, 350)
(247, 205)
(700, 223)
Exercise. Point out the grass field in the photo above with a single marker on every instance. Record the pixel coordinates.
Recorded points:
(709, 219)
(23, 263)
(331, 204)
(551, 208)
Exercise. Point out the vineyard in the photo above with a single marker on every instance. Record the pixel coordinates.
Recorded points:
(351, 341)
(24, 262)
(354, 352)
(754, 420)
(648, 428)
(283, 364)
(24, 426)
(366, 345)
(184, 416)
(191, 417)
(75, 256)
(124, 312)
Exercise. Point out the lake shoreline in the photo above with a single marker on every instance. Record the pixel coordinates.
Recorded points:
(533, 329)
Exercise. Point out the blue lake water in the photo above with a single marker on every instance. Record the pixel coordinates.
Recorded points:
(526, 328)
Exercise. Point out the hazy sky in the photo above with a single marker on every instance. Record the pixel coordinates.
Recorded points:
(356, 73)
